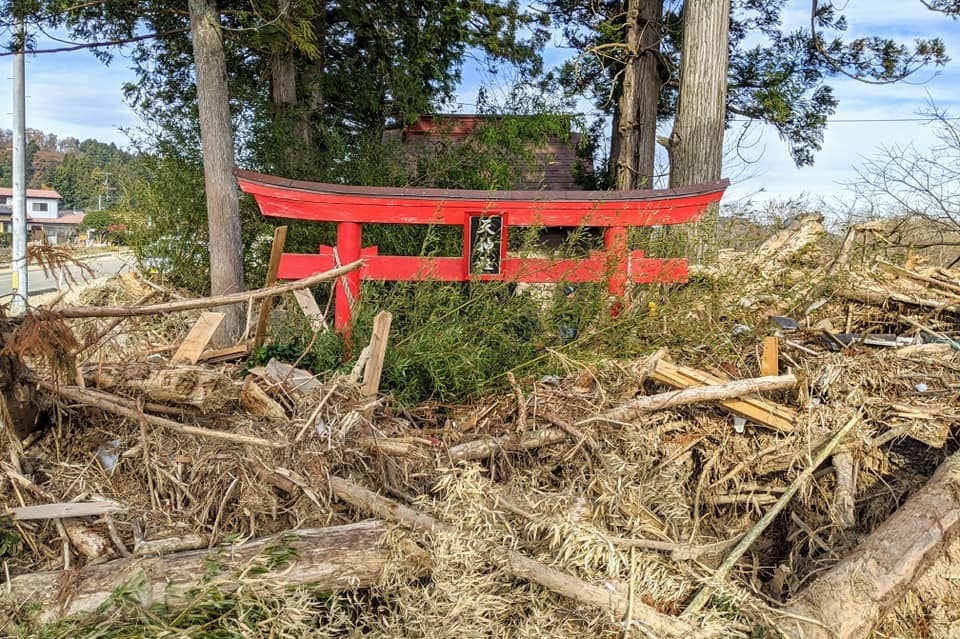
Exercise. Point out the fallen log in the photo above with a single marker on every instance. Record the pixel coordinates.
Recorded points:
(882, 298)
(126, 408)
(693, 395)
(203, 302)
(205, 388)
(608, 598)
(351, 556)
(847, 601)
(482, 448)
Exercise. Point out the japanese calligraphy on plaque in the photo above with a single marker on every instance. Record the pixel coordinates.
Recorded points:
(485, 238)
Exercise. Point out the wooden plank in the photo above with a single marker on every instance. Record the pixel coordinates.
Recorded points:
(770, 360)
(66, 510)
(308, 304)
(225, 354)
(756, 409)
(378, 349)
(198, 338)
(279, 239)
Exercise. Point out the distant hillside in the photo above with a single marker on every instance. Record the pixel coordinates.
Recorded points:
(79, 171)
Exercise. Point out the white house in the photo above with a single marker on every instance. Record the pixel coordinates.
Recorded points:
(42, 204)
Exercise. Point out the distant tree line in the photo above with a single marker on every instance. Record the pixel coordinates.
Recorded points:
(86, 174)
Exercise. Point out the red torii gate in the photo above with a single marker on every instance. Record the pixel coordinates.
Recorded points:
(485, 217)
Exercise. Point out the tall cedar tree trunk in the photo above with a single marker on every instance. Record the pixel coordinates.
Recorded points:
(696, 144)
(216, 139)
(636, 119)
(283, 84)
(283, 81)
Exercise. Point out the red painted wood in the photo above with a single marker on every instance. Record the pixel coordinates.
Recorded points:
(615, 244)
(394, 268)
(436, 206)
(347, 288)
(351, 207)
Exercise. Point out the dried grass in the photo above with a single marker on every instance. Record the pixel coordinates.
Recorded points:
(606, 507)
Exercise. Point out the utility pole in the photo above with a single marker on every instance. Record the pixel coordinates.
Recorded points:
(19, 227)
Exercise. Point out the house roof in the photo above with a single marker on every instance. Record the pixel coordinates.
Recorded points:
(72, 219)
(552, 167)
(47, 194)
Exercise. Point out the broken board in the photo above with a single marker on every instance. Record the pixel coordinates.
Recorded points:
(198, 338)
(308, 305)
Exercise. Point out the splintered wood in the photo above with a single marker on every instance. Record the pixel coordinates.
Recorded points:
(755, 409)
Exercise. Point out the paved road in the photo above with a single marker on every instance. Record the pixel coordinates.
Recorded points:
(40, 283)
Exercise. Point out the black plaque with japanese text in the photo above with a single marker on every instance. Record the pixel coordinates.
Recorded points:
(485, 240)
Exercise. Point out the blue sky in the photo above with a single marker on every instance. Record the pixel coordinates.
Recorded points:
(75, 94)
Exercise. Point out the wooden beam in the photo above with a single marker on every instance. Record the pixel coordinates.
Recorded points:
(64, 510)
(198, 338)
(378, 350)
(756, 409)
(279, 239)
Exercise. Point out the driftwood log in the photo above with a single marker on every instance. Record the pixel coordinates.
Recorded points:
(128, 408)
(847, 601)
(328, 559)
(205, 388)
(204, 302)
(695, 395)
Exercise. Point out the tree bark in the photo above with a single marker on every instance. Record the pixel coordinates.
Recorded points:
(216, 139)
(696, 144)
(852, 597)
(283, 78)
(351, 556)
(636, 123)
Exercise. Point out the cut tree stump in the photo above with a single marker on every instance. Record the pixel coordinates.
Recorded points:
(352, 556)
(852, 597)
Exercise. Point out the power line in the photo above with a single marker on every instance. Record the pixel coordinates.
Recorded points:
(863, 120)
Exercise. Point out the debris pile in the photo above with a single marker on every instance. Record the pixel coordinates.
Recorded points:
(802, 486)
